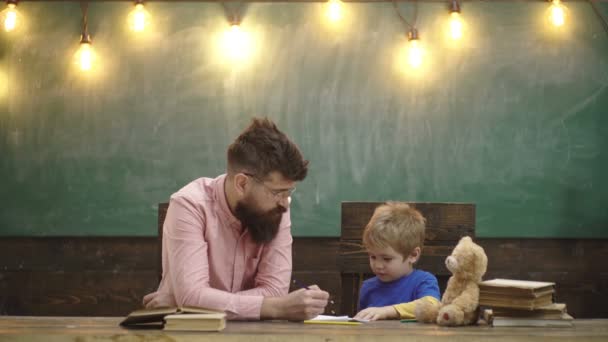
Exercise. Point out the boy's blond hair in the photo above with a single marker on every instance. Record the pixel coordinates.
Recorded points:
(397, 225)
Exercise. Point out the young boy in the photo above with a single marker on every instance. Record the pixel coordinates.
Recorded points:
(394, 238)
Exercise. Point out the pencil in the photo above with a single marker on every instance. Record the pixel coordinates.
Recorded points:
(410, 320)
(300, 285)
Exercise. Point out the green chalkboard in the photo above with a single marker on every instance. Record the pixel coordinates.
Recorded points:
(514, 118)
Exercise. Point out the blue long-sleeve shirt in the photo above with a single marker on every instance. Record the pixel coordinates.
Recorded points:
(418, 284)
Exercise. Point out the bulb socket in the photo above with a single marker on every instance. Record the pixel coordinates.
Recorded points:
(85, 39)
(413, 34)
(454, 6)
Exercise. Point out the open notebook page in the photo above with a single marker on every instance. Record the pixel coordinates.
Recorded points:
(329, 318)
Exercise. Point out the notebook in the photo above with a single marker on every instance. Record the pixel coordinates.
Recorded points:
(327, 319)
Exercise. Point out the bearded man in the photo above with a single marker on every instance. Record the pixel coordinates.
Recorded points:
(227, 240)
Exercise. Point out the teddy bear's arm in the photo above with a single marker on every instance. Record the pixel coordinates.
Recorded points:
(468, 300)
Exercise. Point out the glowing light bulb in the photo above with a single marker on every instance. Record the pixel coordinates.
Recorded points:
(415, 54)
(237, 43)
(138, 18)
(85, 56)
(455, 26)
(10, 17)
(236, 36)
(557, 13)
(334, 10)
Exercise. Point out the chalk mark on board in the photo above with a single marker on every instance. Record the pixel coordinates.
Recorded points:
(580, 106)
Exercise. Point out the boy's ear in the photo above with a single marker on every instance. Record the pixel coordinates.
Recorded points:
(414, 255)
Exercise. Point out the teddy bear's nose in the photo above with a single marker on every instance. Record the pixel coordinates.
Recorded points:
(449, 260)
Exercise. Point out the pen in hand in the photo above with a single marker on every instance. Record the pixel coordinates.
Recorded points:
(300, 285)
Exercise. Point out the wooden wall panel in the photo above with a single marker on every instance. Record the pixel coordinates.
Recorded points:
(109, 276)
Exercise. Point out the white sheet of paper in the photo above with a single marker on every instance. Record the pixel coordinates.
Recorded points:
(338, 319)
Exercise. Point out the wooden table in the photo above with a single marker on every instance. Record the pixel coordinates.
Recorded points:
(50, 329)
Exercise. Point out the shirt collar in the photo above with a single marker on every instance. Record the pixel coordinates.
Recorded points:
(220, 197)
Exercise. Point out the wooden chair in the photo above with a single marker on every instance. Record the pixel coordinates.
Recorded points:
(446, 224)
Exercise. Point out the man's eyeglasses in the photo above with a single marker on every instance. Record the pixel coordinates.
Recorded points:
(277, 194)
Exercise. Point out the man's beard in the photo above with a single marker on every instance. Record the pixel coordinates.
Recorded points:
(263, 226)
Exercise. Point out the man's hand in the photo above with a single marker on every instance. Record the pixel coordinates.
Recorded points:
(375, 314)
(157, 299)
(299, 305)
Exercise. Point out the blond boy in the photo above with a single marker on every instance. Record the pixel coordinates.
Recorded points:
(394, 238)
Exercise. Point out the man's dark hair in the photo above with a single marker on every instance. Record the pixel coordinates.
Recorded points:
(262, 148)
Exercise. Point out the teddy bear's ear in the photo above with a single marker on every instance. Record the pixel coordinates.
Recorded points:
(466, 239)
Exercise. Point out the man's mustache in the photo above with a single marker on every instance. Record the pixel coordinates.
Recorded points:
(280, 209)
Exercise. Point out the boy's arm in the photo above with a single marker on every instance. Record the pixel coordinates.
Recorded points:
(406, 310)
(427, 290)
(363, 297)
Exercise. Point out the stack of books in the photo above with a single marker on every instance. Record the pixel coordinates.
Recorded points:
(187, 318)
(523, 303)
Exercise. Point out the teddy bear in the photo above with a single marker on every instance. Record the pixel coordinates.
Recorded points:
(459, 304)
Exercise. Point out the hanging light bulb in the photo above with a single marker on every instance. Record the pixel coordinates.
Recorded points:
(85, 56)
(236, 36)
(455, 21)
(557, 13)
(10, 15)
(237, 43)
(138, 17)
(334, 10)
(415, 53)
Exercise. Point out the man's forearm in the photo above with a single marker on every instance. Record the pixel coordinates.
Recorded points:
(272, 308)
(236, 306)
(266, 290)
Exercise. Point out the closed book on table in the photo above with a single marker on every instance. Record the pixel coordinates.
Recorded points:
(492, 292)
(551, 311)
(196, 322)
(516, 303)
(516, 294)
(564, 321)
(155, 318)
(522, 288)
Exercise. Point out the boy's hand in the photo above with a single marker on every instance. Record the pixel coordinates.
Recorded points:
(375, 314)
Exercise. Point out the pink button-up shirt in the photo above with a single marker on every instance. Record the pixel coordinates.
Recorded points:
(210, 261)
